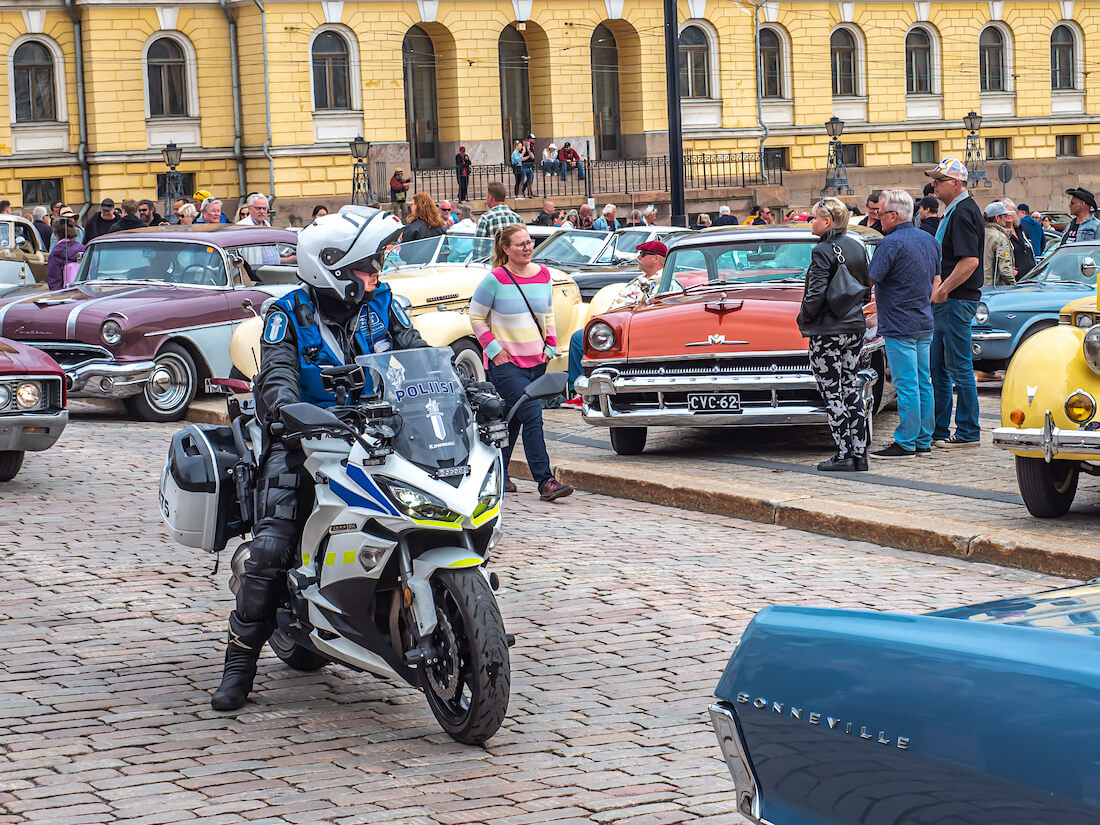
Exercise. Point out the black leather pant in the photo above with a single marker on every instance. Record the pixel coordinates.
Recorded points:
(279, 520)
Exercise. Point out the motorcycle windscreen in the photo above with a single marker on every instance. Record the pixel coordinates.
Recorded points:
(433, 416)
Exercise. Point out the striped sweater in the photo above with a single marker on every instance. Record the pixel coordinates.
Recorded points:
(501, 320)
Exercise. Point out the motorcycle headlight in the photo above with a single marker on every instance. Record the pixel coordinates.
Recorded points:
(601, 337)
(28, 394)
(5, 396)
(1084, 320)
(489, 496)
(416, 504)
(111, 332)
(1090, 348)
(981, 314)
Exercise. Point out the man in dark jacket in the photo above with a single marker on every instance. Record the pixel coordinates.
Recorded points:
(340, 312)
(546, 216)
(463, 167)
(101, 222)
(147, 211)
(129, 219)
(929, 214)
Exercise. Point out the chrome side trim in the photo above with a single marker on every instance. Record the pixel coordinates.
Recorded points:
(800, 415)
(734, 751)
(4, 309)
(990, 336)
(600, 383)
(692, 356)
(70, 323)
(1050, 440)
(175, 330)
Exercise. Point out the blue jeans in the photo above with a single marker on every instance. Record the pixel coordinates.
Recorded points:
(576, 352)
(908, 357)
(510, 381)
(952, 363)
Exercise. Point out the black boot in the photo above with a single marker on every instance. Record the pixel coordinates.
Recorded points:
(836, 464)
(242, 651)
(859, 463)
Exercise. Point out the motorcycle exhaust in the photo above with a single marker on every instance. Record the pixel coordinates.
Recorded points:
(236, 566)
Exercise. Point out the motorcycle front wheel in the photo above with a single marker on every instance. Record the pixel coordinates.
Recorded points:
(469, 686)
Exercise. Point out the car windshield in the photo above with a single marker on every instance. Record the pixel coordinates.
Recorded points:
(5, 233)
(620, 246)
(196, 264)
(571, 248)
(741, 262)
(449, 249)
(1064, 265)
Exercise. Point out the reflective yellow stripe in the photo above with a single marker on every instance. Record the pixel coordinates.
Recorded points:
(445, 525)
(349, 556)
(486, 516)
(330, 559)
(306, 557)
(472, 562)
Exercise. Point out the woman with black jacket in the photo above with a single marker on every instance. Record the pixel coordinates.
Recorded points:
(836, 341)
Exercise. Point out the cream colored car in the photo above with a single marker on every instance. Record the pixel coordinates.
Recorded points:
(22, 258)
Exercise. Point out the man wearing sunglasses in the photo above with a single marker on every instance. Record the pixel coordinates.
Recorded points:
(340, 311)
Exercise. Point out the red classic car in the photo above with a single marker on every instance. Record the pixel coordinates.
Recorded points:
(151, 313)
(716, 344)
(32, 404)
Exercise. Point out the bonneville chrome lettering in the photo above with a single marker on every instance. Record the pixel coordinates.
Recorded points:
(882, 740)
(815, 718)
(777, 707)
(903, 743)
(759, 702)
(742, 698)
(796, 713)
(832, 722)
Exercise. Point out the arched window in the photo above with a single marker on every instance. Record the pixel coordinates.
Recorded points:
(331, 75)
(991, 60)
(1063, 58)
(842, 45)
(515, 86)
(694, 63)
(918, 62)
(34, 83)
(421, 108)
(605, 93)
(166, 75)
(771, 64)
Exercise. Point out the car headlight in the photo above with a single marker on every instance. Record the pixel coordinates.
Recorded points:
(601, 337)
(981, 314)
(1080, 407)
(5, 396)
(1084, 320)
(1090, 348)
(111, 332)
(489, 496)
(28, 394)
(416, 504)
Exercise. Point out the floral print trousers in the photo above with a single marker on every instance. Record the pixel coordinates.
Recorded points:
(835, 362)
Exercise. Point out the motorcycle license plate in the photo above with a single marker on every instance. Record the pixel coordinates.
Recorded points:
(729, 402)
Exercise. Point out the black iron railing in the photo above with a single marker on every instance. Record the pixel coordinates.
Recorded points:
(701, 171)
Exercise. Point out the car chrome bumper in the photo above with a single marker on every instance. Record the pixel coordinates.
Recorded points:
(105, 379)
(1050, 440)
(32, 431)
(732, 743)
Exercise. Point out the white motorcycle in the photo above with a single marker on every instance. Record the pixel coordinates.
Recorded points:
(391, 576)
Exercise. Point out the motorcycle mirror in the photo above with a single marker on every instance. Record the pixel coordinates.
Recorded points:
(547, 385)
(1088, 268)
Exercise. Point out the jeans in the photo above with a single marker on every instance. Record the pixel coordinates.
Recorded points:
(550, 167)
(517, 173)
(576, 352)
(528, 178)
(510, 381)
(908, 358)
(952, 364)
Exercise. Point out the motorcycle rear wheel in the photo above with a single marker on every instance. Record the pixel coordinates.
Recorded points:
(294, 655)
(469, 688)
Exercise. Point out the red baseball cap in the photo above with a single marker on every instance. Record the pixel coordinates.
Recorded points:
(656, 247)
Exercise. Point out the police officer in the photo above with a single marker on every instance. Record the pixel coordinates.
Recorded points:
(341, 311)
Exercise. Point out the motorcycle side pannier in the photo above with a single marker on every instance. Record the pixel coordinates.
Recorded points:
(198, 496)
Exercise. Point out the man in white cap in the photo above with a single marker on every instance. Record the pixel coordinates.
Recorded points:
(955, 297)
(998, 263)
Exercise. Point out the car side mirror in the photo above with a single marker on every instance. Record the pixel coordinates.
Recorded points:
(1088, 268)
(24, 247)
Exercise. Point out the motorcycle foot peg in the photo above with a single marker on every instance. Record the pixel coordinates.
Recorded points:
(510, 639)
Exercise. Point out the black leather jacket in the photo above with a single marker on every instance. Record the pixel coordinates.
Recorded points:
(815, 317)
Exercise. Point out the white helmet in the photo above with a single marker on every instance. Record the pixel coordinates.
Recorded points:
(333, 245)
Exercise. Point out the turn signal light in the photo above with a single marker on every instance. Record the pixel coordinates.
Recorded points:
(1017, 417)
(407, 597)
(1080, 407)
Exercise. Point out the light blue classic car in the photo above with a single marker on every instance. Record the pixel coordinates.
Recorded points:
(1007, 315)
(983, 715)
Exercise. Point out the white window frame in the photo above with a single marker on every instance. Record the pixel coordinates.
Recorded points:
(1078, 56)
(355, 82)
(60, 104)
(861, 59)
(1006, 37)
(713, 80)
(785, 62)
(191, 74)
(934, 58)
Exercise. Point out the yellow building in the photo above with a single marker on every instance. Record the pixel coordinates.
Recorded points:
(264, 95)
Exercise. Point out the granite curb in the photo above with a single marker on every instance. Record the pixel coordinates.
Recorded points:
(770, 505)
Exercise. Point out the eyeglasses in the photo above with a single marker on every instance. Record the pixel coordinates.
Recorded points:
(524, 245)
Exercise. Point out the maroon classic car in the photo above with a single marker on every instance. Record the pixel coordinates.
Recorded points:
(716, 344)
(151, 313)
(32, 404)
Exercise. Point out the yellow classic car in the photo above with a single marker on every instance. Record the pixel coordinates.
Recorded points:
(1049, 409)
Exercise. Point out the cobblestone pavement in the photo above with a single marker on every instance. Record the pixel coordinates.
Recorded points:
(624, 613)
(974, 485)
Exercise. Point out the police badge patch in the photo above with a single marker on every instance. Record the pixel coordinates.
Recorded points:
(275, 328)
(400, 314)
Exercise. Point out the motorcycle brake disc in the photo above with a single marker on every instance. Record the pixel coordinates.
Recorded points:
(449, 664)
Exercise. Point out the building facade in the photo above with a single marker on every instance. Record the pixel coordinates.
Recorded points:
(264, 96)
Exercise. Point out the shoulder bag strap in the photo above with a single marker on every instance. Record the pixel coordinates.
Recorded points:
(534, 317)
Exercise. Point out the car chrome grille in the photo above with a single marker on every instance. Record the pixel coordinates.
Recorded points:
(71, 355)
(784, 365)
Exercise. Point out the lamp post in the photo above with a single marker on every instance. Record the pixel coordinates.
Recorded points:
(836, 172)
(975, 163)
(173, 183)
(672, 98)
(360, 175)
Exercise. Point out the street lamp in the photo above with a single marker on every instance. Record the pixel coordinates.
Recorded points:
(836, 171)
(360, 176)
(975, 163)
(173, 183)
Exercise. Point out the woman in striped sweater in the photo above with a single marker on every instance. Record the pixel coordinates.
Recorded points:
(512, 313)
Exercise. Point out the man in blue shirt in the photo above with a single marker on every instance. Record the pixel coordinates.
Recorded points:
(904, 267)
